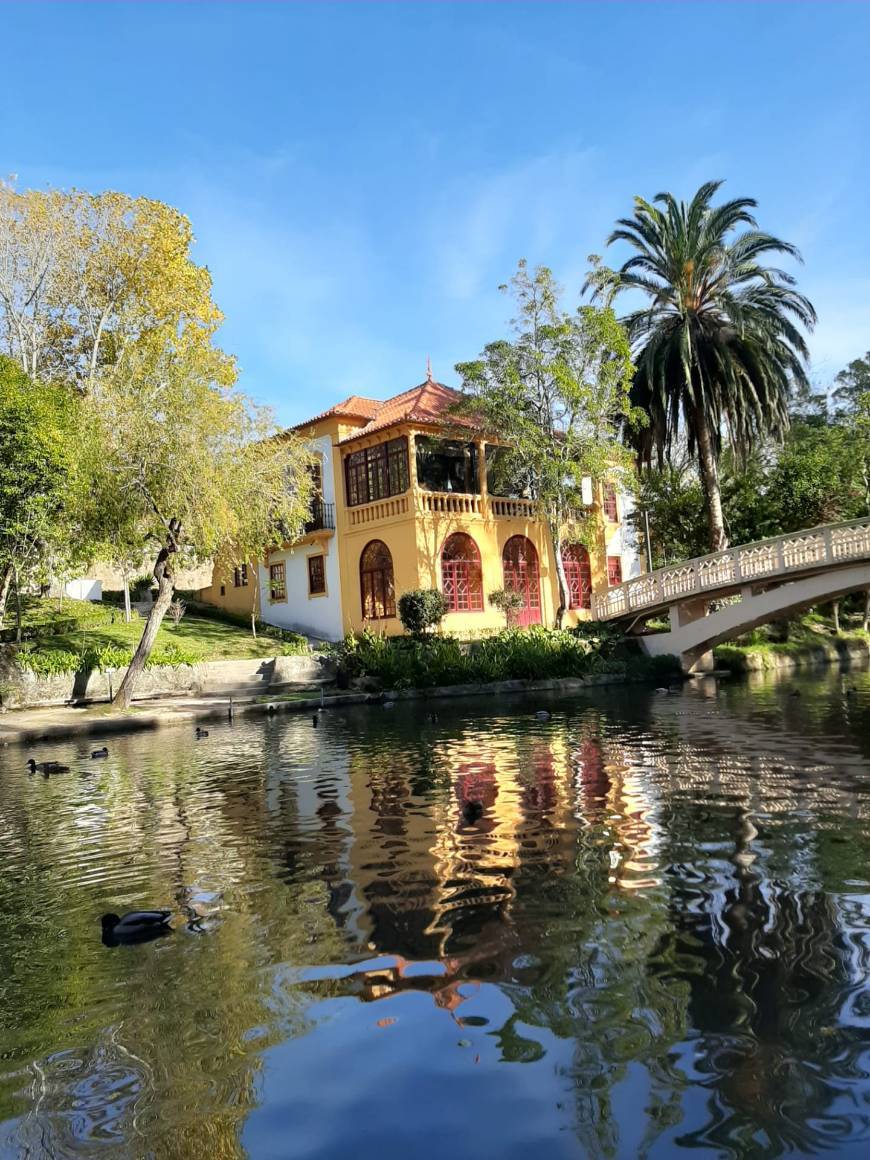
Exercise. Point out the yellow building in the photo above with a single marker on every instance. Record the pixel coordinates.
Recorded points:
(404, 503)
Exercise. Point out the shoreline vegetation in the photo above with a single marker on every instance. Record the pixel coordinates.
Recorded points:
(811, 643)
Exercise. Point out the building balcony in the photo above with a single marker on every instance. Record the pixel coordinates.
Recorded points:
(322, 517)
(420, 502)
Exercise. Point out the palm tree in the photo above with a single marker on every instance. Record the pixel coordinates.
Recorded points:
(719, 343)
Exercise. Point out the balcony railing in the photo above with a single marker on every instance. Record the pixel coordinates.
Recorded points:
(438, 503)
(322, 517)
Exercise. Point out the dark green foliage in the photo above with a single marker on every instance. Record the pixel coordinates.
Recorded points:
(815, 477)
(719, 343)
(421, 609)
(851, 384)
(515, 654)
(140, 587)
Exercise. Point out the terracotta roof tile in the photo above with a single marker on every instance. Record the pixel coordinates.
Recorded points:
(427, 403)
(353, 407)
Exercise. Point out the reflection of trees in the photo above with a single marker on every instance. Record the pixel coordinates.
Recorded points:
(630, 889)
(765, 970)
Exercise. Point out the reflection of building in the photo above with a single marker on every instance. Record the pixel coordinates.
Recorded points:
(403, 501)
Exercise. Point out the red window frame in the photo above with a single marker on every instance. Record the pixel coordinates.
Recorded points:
(522, 574)
(578, 575)
(461, 574)
(377, 585)
(610, 505)
(614, 570)
(316, 576)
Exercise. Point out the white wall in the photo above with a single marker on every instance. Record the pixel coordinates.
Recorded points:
(313, 615)
(625, 541)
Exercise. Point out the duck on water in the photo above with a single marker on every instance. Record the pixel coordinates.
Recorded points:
(135, 926)
(47, 767)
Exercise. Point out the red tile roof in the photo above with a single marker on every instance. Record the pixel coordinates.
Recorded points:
(353, 407)
(427, 403)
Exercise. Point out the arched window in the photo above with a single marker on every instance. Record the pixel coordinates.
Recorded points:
(578, 574)
(520, 563)
(376, 581)
(461, 576)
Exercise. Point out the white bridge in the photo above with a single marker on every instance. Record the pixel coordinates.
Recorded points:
(714, 598)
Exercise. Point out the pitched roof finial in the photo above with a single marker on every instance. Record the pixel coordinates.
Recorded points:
(428, 369)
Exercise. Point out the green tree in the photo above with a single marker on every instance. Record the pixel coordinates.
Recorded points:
(38, 476)
(189, 464)
(719, 343)
(851, 383)
(558, 395)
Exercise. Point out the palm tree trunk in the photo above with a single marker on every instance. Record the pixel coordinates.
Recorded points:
(866, 623)
(709, 470)
(835, 614)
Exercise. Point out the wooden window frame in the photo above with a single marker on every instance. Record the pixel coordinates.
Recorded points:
(319, 559)
(614, 569)
(377, 584)
(278, 576)
(377, 472)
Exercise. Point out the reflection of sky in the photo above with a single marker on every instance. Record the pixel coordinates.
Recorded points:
(412, 1078)
(606, 959)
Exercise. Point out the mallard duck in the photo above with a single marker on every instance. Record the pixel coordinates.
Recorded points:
(98, 753)
(201, 732)
(47, 767)
(136, 926)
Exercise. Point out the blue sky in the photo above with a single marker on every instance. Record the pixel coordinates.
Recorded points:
(361, 177)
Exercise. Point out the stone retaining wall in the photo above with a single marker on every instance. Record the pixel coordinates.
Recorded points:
(21, 689)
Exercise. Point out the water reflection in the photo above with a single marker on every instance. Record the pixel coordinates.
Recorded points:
(660, 910)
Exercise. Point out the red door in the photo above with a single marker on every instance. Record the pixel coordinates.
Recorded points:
(520, 562)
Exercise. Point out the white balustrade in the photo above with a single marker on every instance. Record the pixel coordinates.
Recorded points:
(790, 553)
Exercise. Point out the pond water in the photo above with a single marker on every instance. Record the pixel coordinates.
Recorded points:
(654, 939)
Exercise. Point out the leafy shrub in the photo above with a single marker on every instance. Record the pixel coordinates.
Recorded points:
(514, 654)
(107, 656)
(48, 662)
(140, 587)
(171, 654)
(507, 602)
(421, 609)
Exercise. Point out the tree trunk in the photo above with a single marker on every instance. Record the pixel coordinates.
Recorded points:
(5, 585)
(709, 470)
(835, 613)
(128, 613)
(17, 606)
(555, 529)
(866, 623)
(165, 588)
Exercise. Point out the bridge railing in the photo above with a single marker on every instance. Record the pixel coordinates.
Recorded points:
(764, 559)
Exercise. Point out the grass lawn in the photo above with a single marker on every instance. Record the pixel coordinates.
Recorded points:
(79, 627)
